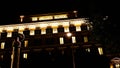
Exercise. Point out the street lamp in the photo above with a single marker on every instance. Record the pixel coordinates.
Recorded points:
(73, 57)
(16, 50)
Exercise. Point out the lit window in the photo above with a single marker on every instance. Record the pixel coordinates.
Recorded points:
(43, 31)
(60, 16)
(32, 32)
(55, 30)
(88, 49)
(1, 56)
(66, 29)
(100, 50)
(78, 28)
(25, 43)
(9, 34)
(34, 18)
(61, 40)
(25, 55)
(73, 39)
(21, 32)
(85, 39)
(45, 17)
(2, 45)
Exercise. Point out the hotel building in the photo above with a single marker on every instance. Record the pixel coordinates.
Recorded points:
(50, 39)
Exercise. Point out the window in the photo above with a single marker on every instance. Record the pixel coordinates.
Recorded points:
(49, 30)
(15, 33)
(45, 17)
(9, 34)
(85, 39)
(60, 29)
(100, 50)
(25, 55)
(32, 32)
(34, 18)
(2, 45)
(73, 39)
(55, 30)
(3, 34)
(43, 31)
(87, 49)
(78, 28)
(84, 27)
(60, 16)
(25, 43)
(72, 28)
(61, 40)
(66, 29)
(26, 32)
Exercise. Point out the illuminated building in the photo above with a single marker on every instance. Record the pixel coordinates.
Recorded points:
(51, 35)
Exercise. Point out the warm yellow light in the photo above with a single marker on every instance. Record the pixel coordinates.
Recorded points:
(31, 27)
(100, 50)
(85, 39)
(77, 23)
(78, 28)
(1, 56)
(1, 29)
(65, 24)
(2, 45)
(88, 49)
(32, 32)
(54, 25)
(9, 34)
(55, 30)
(45, 17)
(34, 18)
(73, 39)
(66, 29)
(25, 55)
(43, 31)
(25, 43)
(43, 25)
(21, 18)
(9, 29)
(21, 28)
(61, 40)
(60, 16)
(111, 66)
(117, 65)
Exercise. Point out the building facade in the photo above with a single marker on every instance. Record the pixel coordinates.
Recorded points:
(51, 40)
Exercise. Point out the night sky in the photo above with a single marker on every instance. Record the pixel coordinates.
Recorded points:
(11, 10)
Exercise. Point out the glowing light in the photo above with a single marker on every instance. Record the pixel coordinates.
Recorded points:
(34, 18)
(61, 40)
(100, 50)
(45, 17)
(25, 55)
(85, 39)
(2, 45)
(69, 34)
(21, 18)
(60, 16)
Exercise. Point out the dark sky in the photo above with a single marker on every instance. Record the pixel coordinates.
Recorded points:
(11, 10)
